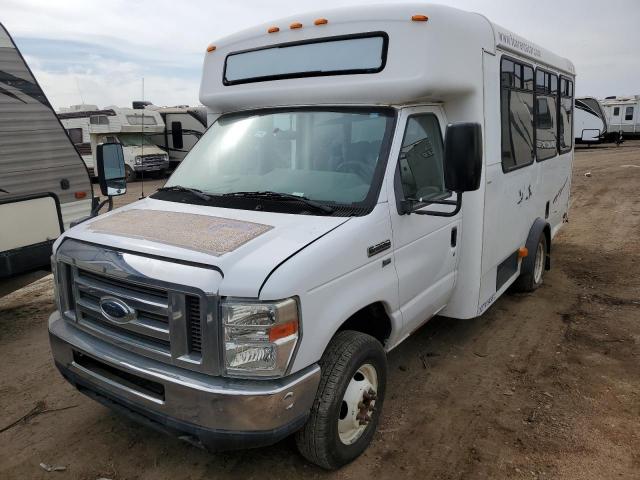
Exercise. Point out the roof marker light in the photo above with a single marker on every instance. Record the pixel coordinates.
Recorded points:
(321, 21)
(273, 30)
(211, 48)
(420, 18)
(295, 25)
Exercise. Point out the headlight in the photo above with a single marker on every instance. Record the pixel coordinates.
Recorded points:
(259, 337)
(138, 160)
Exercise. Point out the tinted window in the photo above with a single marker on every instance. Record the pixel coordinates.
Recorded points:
(628, 114)
(616, 111)
(565, 116)
(421, 159)
(75, 134)
(516, 116)
(363, 54)
(176, 134)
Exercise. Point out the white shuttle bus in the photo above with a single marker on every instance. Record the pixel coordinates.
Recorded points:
(364, 170)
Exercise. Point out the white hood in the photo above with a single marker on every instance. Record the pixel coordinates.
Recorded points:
(268, 240)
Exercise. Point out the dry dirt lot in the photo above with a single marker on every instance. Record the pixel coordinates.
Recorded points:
(542, 386)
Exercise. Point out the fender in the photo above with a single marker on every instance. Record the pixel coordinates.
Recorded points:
(539, 227)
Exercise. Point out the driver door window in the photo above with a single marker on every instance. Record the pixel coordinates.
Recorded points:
(421, 159)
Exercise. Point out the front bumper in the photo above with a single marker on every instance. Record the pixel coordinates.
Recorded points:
(152, 166)
(213, 412)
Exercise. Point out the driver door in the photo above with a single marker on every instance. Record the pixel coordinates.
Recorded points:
(424, 246)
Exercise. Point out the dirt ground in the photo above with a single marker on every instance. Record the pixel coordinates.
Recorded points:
(545, 385)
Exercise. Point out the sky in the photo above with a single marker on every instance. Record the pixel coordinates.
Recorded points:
(97, 52)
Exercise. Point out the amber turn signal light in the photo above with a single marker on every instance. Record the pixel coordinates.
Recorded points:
(283, 330)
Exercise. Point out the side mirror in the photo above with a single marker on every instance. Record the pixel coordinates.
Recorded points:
(463, 157)
(111, 169)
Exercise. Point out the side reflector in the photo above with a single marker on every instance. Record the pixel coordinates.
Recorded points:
(281, 331)
(420, 18)
(295, 25)
(80, 195)
(211, 48)
(321, 21)
(273, 30)
(523, 252)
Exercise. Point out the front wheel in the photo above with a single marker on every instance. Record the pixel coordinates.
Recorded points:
(347, 407)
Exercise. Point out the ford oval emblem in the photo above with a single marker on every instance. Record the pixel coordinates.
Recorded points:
(116, 310)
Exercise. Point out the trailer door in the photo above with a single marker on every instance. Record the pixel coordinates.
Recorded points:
(424, 246)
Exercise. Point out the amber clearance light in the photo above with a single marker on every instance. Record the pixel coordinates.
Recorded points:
(273, 30)
(420, 18)
(211, 48)
(295, 25)
(321, 21)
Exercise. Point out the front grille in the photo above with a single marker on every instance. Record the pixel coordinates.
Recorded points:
(151, 330)
(153, 160)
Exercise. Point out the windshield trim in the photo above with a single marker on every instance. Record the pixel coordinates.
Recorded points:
(361, 208)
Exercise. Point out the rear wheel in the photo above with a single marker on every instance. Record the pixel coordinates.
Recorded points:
(531, 277)
(345, 413)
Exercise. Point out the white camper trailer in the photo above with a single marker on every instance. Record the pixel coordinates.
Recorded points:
(623, 114)
(44, 185)
(183, 127)
(364, 170)
(590, 124)
(88, 126)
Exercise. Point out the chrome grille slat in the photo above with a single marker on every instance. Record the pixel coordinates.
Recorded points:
(138, 300)
(139, 325)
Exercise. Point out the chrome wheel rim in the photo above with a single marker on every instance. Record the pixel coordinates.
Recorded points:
(358, 404)
(539, 264)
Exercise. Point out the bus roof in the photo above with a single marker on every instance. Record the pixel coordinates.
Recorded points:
(425, 58)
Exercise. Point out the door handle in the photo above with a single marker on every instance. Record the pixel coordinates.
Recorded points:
(454, 236)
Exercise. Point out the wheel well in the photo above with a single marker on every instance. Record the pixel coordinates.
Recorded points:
(372, 320)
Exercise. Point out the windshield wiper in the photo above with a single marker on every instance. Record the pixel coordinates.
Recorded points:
(283, 196)
(179, 188)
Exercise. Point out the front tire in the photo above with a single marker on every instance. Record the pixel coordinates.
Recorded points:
(130, 173)
(347, 407)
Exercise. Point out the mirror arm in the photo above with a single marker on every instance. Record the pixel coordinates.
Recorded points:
(457, 203)
(96, 210)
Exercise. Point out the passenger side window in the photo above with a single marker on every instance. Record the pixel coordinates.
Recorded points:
(565, 119)
(516, 92)
(628, 114)
(546, 116)
(421, 159)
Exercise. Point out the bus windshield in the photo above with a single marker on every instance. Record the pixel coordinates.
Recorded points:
(326, 155)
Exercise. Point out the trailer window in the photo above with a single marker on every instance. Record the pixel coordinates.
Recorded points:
(628, 114)
(176, 135)
(75, 134)
(516, 94)
(616, 111)
(421, 159)
(346, 54)
(565, 112)
(141, 119)
(99, 120)
(546, 116)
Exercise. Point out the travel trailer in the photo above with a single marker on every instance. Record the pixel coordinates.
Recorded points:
(364, 170)
(622, 114)
(183, 127)
(44, 186)
(590, 124)
(88, 126)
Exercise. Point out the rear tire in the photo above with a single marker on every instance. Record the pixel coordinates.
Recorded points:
(347, 407)
(530, 279)
(130, 173)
